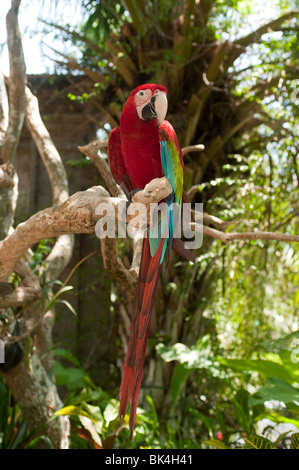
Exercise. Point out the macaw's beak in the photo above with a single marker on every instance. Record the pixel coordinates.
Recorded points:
(149, 111)
(156, 108)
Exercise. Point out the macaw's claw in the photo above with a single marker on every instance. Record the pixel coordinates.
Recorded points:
(132, 193)
(130, 196)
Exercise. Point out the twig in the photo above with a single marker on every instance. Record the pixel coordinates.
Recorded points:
(193, 148)
(257, 235)
(91, 151)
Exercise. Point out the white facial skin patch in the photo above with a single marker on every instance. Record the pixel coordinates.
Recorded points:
(143, 97)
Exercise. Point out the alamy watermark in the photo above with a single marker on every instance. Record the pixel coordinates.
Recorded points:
(160, 221)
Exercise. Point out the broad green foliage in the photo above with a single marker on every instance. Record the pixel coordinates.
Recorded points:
(278, 371)
(95, 415)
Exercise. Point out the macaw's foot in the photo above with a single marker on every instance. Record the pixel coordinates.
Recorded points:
(129, 201)
(132, 193)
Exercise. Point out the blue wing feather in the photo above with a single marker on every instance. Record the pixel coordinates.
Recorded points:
(171, 159)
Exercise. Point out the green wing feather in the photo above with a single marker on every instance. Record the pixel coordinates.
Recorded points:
(172, 165)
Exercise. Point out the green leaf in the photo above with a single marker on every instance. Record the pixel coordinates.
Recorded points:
(153, 410)
(195, 357)
(290, 362)
(64, 289)
(281, 437)
(216, 443)
(66, 355)
(89, 425)
(71, 377)
(65, 302)
(265, 368)
(111, 411)
(72, 410)
(276, 390)
(180, 376)
(36, 440)
(278, 418)
(258, 442)
(295, 441)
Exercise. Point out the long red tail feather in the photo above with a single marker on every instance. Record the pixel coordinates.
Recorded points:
(149, 273)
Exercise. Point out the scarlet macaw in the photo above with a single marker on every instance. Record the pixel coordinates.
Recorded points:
(144, 147)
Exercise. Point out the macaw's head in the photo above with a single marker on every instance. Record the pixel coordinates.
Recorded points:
(147, 102)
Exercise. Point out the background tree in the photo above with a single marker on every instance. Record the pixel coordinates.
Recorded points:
(232, 101)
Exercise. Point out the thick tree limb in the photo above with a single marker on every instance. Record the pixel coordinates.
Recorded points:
(76, 215)
(38, 398)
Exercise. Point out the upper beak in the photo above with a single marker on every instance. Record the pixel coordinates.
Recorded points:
(156, 108)
(149, 111)
(161, 105)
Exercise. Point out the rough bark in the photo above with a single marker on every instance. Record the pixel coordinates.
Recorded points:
(16, 84)
(38, 399)
(11, 127)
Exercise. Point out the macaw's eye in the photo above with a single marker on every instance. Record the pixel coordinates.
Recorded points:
(141, 93)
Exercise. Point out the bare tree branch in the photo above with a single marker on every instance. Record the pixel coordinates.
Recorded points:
(28, 290)
(256, 235)
(47, 150)
(113, 264)
(91, 151)
(193, 148)
(16, 84)
(3, 108)
(6, 175)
